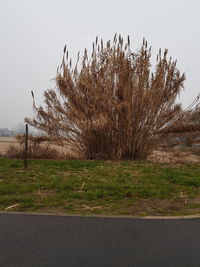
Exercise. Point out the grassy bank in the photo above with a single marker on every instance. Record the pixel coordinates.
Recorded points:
(100, 187)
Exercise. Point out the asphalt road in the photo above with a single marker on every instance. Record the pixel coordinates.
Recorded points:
(35, 240)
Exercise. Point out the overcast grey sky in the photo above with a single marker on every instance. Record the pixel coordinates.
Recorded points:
(34, 32)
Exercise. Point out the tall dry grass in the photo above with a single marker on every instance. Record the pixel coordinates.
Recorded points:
(112, 105)
(39, 147)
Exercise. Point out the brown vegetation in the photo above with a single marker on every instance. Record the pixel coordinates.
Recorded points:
(186, 128)
(40, 147)
(113, 106)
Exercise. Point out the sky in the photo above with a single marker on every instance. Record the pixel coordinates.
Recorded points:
(33, 34)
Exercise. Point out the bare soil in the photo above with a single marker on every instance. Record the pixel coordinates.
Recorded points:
(167, 206)
(173, 156)
(5, 142)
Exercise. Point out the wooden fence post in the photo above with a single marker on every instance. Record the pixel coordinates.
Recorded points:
(26, 148)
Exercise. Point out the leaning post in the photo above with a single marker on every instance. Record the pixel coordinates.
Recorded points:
(26, 148)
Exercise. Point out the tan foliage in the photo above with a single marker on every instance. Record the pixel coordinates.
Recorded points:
(113, 106)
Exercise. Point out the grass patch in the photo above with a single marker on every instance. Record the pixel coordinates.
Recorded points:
(100, 187)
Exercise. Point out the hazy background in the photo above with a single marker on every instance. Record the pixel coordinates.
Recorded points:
(34, 32)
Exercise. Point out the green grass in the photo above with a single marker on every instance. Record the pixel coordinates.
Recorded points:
(100, 187)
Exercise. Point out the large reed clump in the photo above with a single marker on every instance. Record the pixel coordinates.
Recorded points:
(112, 106)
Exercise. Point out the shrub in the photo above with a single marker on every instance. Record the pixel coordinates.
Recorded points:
(113, 105)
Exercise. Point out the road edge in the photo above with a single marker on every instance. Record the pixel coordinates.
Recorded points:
(196, 216)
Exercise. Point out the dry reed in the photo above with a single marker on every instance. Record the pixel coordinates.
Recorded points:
(112, 106)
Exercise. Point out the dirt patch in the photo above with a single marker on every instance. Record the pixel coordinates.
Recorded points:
(43, 193)
(175, 206)
(173, 157)
(5, 143)
(51, 210)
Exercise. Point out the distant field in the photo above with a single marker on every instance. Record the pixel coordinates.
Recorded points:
(5, 142)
